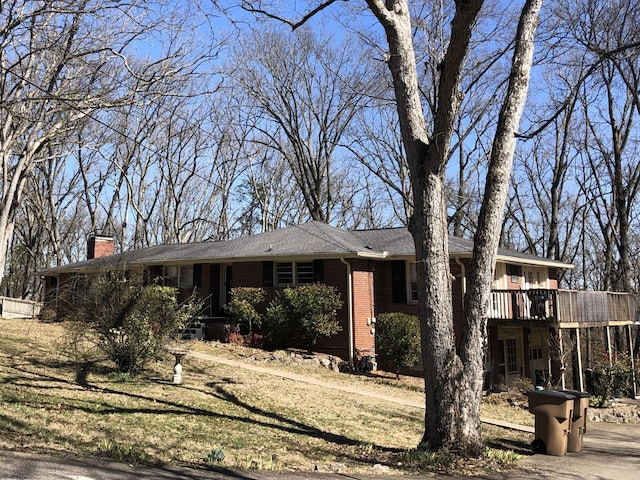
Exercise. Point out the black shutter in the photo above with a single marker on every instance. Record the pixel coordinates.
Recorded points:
(214, 288)
(267, 274)
(398, 281)
(318, 271)
(197, 275)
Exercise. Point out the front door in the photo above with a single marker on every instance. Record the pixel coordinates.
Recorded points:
(538, 357)
(510, 341)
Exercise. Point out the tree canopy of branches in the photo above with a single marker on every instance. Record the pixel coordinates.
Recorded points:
(305, 92)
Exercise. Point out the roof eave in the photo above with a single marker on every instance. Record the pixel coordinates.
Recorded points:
(541, 262)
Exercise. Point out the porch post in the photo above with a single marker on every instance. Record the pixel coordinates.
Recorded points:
(581, 384)
(610, 353)
(562, 365)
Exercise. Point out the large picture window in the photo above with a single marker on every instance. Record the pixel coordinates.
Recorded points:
(178, 276)
(294, 273)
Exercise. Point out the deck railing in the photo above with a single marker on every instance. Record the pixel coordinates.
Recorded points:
(535, 304)
(565, 306)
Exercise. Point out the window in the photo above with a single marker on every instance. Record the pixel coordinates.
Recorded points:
(304, 272)
(413, 282)
(294, 273)
(535, 353)
(178, 276)
(510, 356)
(284, 274)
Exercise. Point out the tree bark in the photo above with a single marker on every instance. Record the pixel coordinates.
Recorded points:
(486, 240)
(427, 159)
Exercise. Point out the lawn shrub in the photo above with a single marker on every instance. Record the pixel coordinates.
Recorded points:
(242, 306)
(127, 321)
(610, 378)
(304, 313)
(398, 340)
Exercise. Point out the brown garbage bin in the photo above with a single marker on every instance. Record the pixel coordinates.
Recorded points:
(578, 420)
(553, 411)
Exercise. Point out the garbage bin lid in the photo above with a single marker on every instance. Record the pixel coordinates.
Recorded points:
(576, 393)
(556, 394)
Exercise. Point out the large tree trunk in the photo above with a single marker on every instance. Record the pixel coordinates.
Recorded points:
(452, 382)
(473, 345)
(427, 160)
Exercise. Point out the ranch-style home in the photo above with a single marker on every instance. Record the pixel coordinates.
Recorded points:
(374, 271)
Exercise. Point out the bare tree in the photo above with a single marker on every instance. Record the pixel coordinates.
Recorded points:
(453, 378)
(306, 92)
(65, 63)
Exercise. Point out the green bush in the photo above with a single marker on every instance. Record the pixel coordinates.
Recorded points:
(306, 313)
(128, 321)
(611, 378)
(242, 306)
(398, 340)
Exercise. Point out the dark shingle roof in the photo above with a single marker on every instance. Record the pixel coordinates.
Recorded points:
(312, 239)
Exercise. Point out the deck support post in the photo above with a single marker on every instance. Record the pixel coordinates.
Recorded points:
(633, 366)
(579, 351)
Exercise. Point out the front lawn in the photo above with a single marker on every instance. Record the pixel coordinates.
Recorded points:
(220, 416)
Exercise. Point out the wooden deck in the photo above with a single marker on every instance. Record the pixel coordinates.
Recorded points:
(563, 308)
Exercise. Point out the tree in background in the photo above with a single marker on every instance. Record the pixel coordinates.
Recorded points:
(306, 92)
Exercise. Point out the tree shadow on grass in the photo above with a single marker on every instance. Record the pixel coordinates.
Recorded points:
(163, 406)
(517, 446)
(287, 424)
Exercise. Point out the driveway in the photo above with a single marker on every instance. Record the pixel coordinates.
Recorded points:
(610, 451)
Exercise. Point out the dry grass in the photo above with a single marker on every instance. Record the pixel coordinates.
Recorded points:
(51, 404)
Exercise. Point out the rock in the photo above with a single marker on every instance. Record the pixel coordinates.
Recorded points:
(380, 468)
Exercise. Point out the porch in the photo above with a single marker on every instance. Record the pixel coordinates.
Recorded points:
(520, 318)
(563, 308)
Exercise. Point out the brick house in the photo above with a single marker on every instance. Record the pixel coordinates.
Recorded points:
(374, 272)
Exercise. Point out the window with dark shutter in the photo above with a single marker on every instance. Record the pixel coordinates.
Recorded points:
(398, 281)
(318, 271)
(197, 275)
(267, 274)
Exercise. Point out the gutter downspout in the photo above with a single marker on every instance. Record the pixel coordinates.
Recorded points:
(349, 309)
(463, 273)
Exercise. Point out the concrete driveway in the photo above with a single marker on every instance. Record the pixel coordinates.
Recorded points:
(610, 451)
